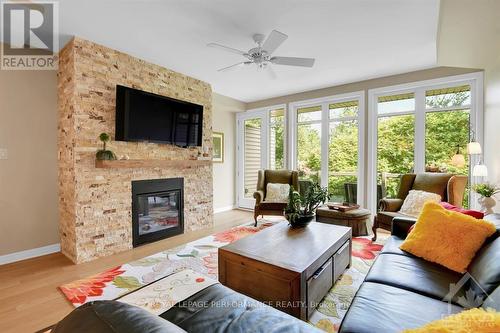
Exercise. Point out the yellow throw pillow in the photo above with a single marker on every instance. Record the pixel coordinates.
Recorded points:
(469, 321)
(445, 237)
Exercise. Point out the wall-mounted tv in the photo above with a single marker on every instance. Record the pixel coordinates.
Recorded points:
(143, 116)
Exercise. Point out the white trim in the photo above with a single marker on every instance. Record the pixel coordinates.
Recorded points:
(27, 254)
(224, 209)
(475, 80)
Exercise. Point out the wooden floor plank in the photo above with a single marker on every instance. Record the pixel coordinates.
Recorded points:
(30, 300)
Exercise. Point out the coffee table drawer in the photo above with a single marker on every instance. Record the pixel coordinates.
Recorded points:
(318, 285)
(341, 260)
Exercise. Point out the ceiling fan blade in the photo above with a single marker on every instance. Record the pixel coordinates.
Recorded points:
(273, 41)
(293, 61)
(271, 72)
(226, 48)
(234, 66)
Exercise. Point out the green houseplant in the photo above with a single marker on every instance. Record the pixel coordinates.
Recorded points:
(301, 210)
(104, 154)
(486, 191)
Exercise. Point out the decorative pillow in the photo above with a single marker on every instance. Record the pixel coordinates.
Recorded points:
(415, 200)
(476, 320)
(276, 192)
(448, 238)
(470, 212)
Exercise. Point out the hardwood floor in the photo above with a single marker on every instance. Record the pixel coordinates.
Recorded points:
(30, 300)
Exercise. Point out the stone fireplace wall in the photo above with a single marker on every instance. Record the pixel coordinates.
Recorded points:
(94, 203)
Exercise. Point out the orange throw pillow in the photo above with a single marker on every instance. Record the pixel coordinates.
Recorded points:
(445, 237)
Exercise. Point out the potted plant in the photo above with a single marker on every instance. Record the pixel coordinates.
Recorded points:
(301, 210)
(486, 191)
(104, 154)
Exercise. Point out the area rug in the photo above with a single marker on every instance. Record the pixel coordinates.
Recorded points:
(201, 256)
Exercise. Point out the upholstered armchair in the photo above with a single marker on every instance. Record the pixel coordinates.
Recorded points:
(272, 176)
(451, 188)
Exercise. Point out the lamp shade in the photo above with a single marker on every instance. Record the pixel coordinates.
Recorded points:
(480, 170)
(474, 148)
(458, 160)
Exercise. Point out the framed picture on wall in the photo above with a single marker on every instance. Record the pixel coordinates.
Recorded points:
(218, 141)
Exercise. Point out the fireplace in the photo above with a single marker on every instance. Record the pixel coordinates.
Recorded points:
(157, 209)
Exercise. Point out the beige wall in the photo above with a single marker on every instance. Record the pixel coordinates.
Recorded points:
(28, 179)
(469, 36)
(421, 75)
(224, 120)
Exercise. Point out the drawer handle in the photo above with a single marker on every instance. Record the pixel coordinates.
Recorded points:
(319, 271)
(343, 247)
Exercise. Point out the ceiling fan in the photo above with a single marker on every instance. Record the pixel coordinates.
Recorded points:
(261, 55)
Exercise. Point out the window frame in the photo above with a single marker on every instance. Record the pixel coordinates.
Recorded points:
(419, 88)
(325, 102)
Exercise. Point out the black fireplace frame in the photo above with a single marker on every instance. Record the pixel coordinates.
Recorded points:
(151, 187)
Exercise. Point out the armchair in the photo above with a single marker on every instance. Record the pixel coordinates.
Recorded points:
(451, 188)
(272, 176)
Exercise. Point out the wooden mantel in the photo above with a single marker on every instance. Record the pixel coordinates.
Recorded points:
(135, 164)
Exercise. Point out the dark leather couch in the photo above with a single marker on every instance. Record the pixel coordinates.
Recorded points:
(214, 309)
(402, 291)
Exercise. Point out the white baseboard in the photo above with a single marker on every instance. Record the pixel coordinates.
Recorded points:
(224, 209)
(27, 254)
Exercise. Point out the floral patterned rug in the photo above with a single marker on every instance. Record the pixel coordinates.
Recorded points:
(201, 256)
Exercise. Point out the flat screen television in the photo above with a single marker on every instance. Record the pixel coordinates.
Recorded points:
(143, 116)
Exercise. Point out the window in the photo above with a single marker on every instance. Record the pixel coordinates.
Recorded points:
(309, 143)
(277, 139)
(395, 141)
(418, 127)
(252, 155)
(447, 128)
(343, 151)
(327, 147)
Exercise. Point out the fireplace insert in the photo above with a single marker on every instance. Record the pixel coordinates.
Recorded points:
(157, 209)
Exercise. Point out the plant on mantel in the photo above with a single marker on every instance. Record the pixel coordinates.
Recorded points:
(104, 154)
(486, 191)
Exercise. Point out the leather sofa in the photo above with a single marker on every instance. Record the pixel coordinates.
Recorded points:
(450, 187)
(402, 291)
(214, 309)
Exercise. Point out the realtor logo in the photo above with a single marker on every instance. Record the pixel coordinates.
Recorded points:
(29, 35)
(469, 298)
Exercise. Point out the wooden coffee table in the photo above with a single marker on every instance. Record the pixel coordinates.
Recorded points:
(289, 269)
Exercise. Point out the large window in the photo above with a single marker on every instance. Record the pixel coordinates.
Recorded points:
(277, 139)
(327, 145)
(395, 141)
(419, 128)
(343, 151)
(447, 128)
(309, 143)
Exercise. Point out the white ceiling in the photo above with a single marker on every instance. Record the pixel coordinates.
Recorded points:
(351, 40)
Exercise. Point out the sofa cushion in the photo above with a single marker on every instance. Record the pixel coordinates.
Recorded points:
(493, 300)
(382, 308)
(113, 316)
(392, 245)
(485, 269)
(415, 200)
(448, 238)
(220, 309)
(416, 275)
